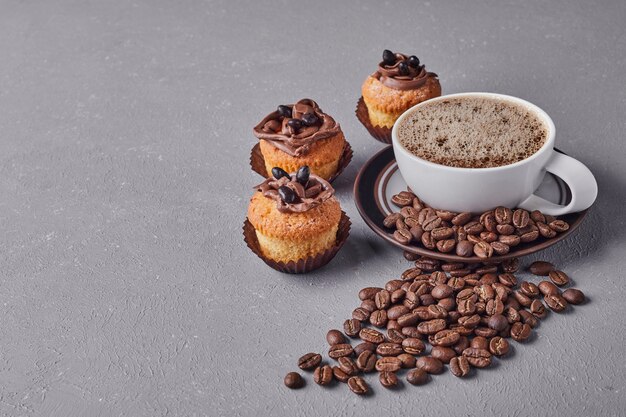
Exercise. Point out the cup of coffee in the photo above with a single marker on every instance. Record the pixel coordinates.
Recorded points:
(476, 151)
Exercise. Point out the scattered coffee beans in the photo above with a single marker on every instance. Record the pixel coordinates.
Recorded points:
(358, 385)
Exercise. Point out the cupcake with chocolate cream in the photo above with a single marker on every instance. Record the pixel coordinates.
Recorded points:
(400, 82)
(301, 134)
(294, 216)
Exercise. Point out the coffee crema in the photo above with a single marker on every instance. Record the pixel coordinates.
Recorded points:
(472, 132)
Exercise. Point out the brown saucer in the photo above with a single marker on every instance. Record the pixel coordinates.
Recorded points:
(379, 179)
(257, 161)
(380, 133)
(302, 266)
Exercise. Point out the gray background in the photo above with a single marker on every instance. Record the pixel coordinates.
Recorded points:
(125, 130)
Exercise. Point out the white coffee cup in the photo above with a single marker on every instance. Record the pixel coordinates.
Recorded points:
(480, 189)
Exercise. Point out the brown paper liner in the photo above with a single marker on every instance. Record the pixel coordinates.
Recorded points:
(380, 133)
(302, 266)
(257, 161)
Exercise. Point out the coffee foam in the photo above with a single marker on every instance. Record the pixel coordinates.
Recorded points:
(472, 132)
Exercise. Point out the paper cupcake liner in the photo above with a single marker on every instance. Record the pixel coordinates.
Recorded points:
(380, 133)
(257, 161)
(302, 266)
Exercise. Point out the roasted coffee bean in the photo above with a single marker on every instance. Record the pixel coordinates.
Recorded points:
(401, 224)
(390, 221)
(323, 375)
(457, 283)
(512, 315)
(403, 236)
(438, 278)
(438, 312)
(402, 199)
(530, 236)
(417, 232)
(520, 218)
(466, 307)
(546, 288)
(489, 279)
(473, 228)
(382, 299)
(379, 318)
(459, 366)
(364, 347)
(431, 326)
(409, 319)
(340, 350)
(503, 215)
(417, 204)
(403, 68)
(369, 293)
(500, 248)
(358, 385)
(309, 361)
(410, 256)
(486, 269)
(360, 314)
(485, 331)
(371, 335)
(452, 266)
(464, 248)
(388, 363)
(431, 223)
(545, 230)
(293, 380)
(335, 337)
(429, 364)
(393, 324)
(442, 353)
(510, 240)
(446, 245)
(502, 291)
(498, 346)
(397, 295)
(441, 233)
(389, 349)
(556, 302)
(348, 366)
(394, 336)
(393, 285)
(411, 274)
(340, 375)
(368, 305)
(537, 309)
(366, 361)
(560, 278)
(427, 241)
(505, 229)
(409, 211)
(522, 299)
(463, 331)
(520, 332)
(497, 322)
(537, 216)
(529, 289)
(445, 337)
(470, 321)
(494, 307)
(510, 265)
(461, 219)
(478, 357)
(483, 249)
(528, 318)
(488, 237)
(351, 327)
(397, 311)
(411, 332)
(507, 279)
(558, 226)
(479, 342)
(417, 377)
(284, 111)
(574, 296)
(388, 379)
(485, 292)
(489, 221)
(407, 361)
(426, 213)
(442, 291)
(413, 346)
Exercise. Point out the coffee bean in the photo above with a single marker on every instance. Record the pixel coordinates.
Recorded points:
(512, 315)
(348, 366)
(397, 296)
(417, 377)
(497, 322)
(520, 218)
(364, 347)
(473, 228)
(382, 299)
(503, 215)
(403, 236)
(507, 279)
(529, 289)
(530, 236)
(409, 319)
(445, 246)
(498, 346)
(441, 233)
(395, 336)
(402, 199)
(413, 346)
(429, 364)
(335, 337)
(407, 361)
(388, 363)
(358, 385)
(479, 342)
(302, 176)
(459, 366)
(537, 216)
(360, 314)
(483, 249)
(411, 332)
(431, 326)
(500, 248)
(488, 237)
(537, 309)
(366, 361)
(489, 221)
(431, 223)
(393, 285)
(379, 318)
(442, 353)
(388, 379)
(416, 232)
(505, 229)
(469, 321)
(485, 331)
(368, 305)
(397, 311)
(389, 349)
(323, 375)
(442, 291)
(439, 312)
(560, 278)
(510, 240)
(371, 335)
(520, 332)
(369, 293)
(545, 230)
(352, 327)
(461, 219)
(547, 288)
(522, 299)
(309, 361)
(478, 357)
(528, 318)
(410, 256)
(574, 296)
(293, 380)
(556, 302)
(287, 194)
(558, 226)
(278, 173)
(427, 264)
(340, 375)
(390, 221)
(340, 350)
(510, 265)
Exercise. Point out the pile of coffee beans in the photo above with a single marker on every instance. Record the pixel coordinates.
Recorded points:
(494, 232)
(465, 312)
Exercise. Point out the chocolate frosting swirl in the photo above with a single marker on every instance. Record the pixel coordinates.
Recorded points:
(389, 75)
(296, 142)
(314, 193)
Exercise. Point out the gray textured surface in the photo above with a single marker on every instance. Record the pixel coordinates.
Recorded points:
(125, 286)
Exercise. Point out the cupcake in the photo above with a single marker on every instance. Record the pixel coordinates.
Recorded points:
(294, 216)
(400, 83)
(301, 134)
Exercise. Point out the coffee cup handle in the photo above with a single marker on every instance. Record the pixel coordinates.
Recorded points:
(578, 177)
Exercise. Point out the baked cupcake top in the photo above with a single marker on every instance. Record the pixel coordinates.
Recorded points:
(293, 128)
(296, 193)
(401, 72)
